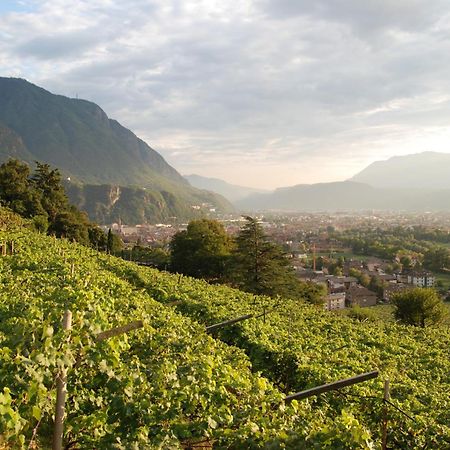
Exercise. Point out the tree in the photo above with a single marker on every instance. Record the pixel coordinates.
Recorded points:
(419, 307)
(437, 259)
(377, 285)
(202, 250)
(113, 243)
(16, 191)
(48, 182)
(406, 262)
(97, 237)
(71, 224)
(260, 266)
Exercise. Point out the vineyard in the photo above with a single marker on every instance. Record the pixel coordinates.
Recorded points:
(170, 384)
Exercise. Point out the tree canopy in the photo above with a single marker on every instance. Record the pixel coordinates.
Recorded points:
(202, 250)
(419, 306)
(40, 196)
(261, 267)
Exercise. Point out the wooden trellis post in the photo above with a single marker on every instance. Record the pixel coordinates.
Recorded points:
(61, 392)
(61, 380)
(386, 398)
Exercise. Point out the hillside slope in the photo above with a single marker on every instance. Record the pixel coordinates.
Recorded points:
(77, 137)
(165, 385)
(299, 347)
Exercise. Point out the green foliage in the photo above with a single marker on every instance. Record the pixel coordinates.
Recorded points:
(202, 250)
(298, 347)
(151, 256)
(47, 182)
(41, 196)
(114, 244)
(363, 278)
(40, 223)
(361, 314)
(419, 307)
(260, 266)
(158, 387)
(16, 191)
(169, 382)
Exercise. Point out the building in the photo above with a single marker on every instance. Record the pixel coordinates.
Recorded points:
(360, 296)
(393, 288)
(335, 301)
(421, 279)
(340, 284)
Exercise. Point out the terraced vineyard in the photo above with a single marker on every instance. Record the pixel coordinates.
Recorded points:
(170, 385)
(166, 385)
(299, 347)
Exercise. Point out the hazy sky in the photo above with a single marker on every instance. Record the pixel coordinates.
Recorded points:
(264, 93)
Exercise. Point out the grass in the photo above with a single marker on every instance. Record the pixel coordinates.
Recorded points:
(444, 278)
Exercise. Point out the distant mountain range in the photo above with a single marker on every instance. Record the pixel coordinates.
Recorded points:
(115, 175)
(427, 170)
(418, 182)
(89, 148)
(232, 192)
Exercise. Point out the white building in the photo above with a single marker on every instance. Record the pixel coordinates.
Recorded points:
(421, 279)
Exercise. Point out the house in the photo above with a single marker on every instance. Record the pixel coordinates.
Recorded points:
(421, 279)
(335, 301)
(393, 288)
(340, 284)
(360, 296)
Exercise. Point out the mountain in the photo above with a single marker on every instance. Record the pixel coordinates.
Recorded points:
(232, 192)
(427, 170)
(89, 148)
(347, 196)
(131, 205)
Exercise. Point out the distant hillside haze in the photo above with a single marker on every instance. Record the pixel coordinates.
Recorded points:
(427, 170)
(77, 137)
(230, 191)
(313, 197)
(419, 182)
(347, 196)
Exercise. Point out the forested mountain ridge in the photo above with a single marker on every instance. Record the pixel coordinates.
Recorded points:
(107, 203)
(78, 137)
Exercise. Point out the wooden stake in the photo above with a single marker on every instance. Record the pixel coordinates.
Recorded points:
(228, 322)
(119, 330)
(332, 386)
(386, 397)
(61, 392)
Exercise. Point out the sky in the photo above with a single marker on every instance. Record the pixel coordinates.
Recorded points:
(263, 93)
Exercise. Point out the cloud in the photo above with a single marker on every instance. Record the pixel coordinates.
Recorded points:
(257, 89)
